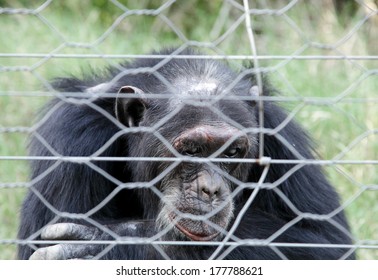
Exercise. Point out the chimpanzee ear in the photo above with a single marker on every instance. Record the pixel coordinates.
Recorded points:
(129, 110)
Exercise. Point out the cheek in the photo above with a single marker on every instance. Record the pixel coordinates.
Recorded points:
(170, 192)
(170, 195)
(241, 172)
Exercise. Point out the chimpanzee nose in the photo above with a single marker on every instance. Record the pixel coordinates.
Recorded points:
(209, 185)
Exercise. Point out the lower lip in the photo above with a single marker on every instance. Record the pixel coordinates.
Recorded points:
(193, 236)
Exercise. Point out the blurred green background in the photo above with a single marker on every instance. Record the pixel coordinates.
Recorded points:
(344, 123)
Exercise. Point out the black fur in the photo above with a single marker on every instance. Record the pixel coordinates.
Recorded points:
(80, 130)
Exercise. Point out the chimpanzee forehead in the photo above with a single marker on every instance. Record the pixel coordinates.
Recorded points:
(202, 88)
(195, 85)
(189, 90)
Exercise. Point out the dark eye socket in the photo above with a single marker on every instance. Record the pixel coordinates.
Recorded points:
(193, 151)
(232, 152)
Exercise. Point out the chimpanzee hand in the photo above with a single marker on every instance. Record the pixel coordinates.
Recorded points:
(71, 231)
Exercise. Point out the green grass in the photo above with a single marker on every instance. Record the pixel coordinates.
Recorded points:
(333, 126)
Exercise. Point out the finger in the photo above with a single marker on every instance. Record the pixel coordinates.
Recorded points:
(64, 231)
(65, 252)
(55, 252)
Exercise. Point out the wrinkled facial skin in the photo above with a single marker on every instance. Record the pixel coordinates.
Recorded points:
(198, 210)
(197, 199)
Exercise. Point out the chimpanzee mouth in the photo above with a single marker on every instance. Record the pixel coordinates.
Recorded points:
(196, 236)
(195, 230)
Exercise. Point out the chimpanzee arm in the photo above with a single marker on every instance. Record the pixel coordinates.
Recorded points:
(77, 232)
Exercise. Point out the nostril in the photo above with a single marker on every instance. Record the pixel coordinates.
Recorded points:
(210, 192)
(206, 192)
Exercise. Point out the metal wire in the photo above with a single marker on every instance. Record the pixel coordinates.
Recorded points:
(244, 18)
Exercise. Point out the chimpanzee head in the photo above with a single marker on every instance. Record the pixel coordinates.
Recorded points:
(202, 135)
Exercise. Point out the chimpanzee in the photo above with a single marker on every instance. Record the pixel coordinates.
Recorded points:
(166, 149)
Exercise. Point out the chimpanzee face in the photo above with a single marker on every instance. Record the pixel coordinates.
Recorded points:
(196, 194)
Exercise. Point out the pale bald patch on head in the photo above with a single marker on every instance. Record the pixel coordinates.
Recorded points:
(208, 87)
(196, 87)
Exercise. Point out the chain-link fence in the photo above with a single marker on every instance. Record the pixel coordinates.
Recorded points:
(87, 147)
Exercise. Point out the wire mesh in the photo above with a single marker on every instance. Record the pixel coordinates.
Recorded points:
(231, 16)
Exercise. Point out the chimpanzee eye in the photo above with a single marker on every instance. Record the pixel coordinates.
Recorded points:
(193, 151)
(232, 152)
